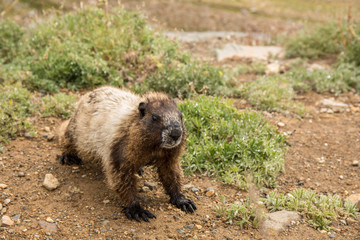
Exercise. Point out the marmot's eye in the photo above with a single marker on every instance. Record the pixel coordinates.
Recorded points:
(155, 117)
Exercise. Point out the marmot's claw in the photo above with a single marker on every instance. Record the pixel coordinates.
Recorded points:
(69, 159)
(136, 212)
(184, 204)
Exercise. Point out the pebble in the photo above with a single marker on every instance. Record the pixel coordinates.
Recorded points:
(198, 227)
(176, 218)
(355, 163)
(6, 221)
(180, 230)
(343, 221)
(16, 217)
(21, 174)
(28, 135)
(3, 186)
(210, 193)
(194, 189)
(7, 201)
(188, 186)
(50, 182)
(47, 129)
(301, 183)
(49, 220)
(106, 201)
(1, 206)
(341, 177)
(281, 124)
(50, 137)
(145, 189)
(332, 235)
(191, 226)
(150, 185)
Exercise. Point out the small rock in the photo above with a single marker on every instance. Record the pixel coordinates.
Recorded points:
(210, 193)
(50, 137)
(281, 124)
(16, 217)
(278, 221)
(144, 189)
(188, 186)
(47, 129)
(50, 182)
(7, 201)
(49, 220)
(301, 183)
(272, 68)
(3, 186)
(343, 221)
(355, 163)
(1, 206)
(28, 135)
(105, 222)
(49, 227)
(21, 174)
(106, 201)
(209, 189)
(341, 177)
(182, 231)
(150, 185)
(103, 230)
(198, 227)
(194, 189)
(6, 221)
(332, 235)
(191, 226)
(176, 218)
(333, 105)
(355, 198)
(3, 211)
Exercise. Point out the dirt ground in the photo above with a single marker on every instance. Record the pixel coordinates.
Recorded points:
(322, 149)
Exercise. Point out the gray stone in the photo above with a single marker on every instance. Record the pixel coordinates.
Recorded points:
(332, 235)
(21, 174)
(253, 52)
(49, 227)
(194, 189)
(6, 221)
(16, 217)
(50, 182)
(191, 226)
(278, 221)
(150, 185)
(180, 230)
(333, 105)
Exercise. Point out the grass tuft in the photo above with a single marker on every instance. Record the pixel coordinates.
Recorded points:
(320, 210)
(229, 144)
(59, 105)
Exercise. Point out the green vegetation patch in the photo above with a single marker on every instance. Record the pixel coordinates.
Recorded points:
(58, 105)
(245, 214)
(90, 48)
(230, 144)
(10, 36)
(320, 210)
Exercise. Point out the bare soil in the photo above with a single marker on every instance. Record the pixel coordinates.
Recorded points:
(322, 149)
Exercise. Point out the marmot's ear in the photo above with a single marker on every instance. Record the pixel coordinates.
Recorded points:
(142, 107)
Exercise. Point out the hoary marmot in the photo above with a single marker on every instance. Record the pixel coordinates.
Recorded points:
(124, 132)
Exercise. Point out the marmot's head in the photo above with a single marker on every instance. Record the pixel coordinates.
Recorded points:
(162, 121)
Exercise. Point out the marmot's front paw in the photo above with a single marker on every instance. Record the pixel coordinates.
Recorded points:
(135, 212)
(184, 204)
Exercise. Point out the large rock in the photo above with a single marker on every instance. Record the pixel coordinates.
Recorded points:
(254, 52)
(355, 198)
(277, 222)
(333, 105)
(50, 182)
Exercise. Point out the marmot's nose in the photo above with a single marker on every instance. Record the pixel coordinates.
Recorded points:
(175, 134)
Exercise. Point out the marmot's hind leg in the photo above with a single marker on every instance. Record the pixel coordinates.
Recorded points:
(70, 159)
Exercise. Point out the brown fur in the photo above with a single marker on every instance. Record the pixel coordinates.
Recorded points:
(108, 128)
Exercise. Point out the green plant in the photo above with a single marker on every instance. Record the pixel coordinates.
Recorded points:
(273, 93)
(229, 144)
(16, 106)
(245, 214)
(59, 105)
(254, 68)
(323, 40)
(10, 36)
(90, 48)
(320, 210)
